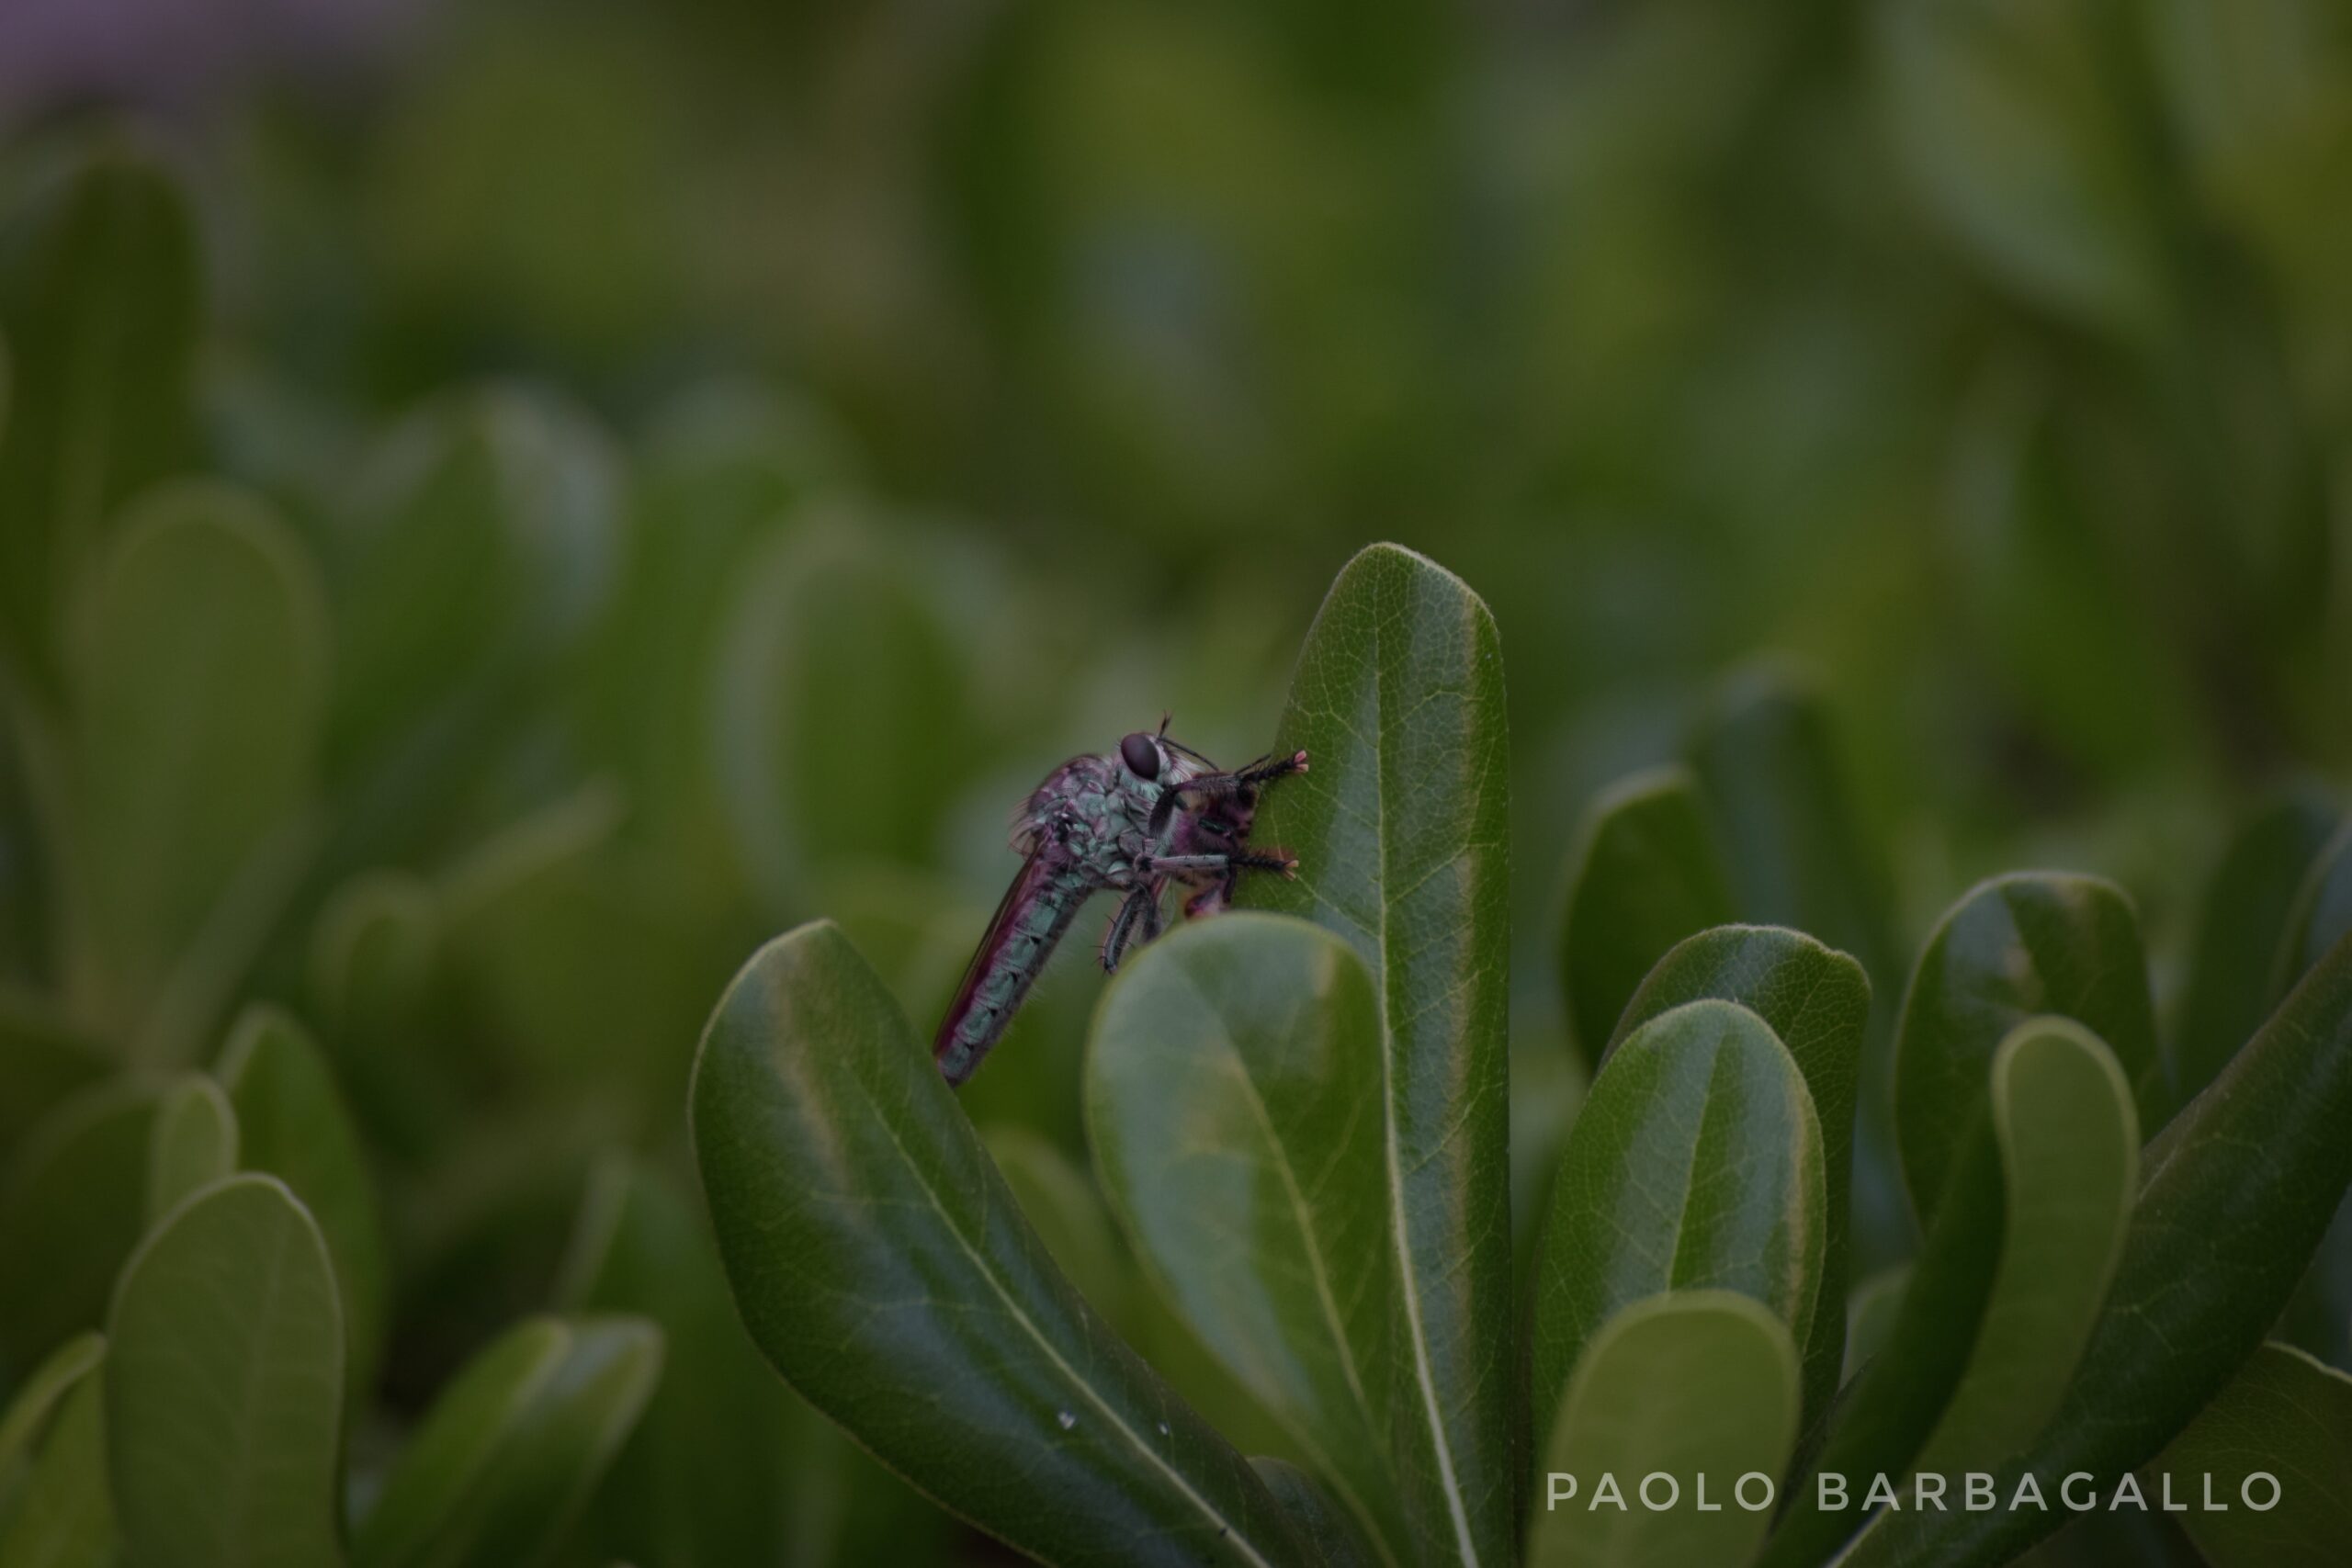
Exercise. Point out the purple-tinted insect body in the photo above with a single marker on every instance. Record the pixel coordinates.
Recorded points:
(1135, 820)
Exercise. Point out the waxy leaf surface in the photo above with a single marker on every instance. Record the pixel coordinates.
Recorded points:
(224, 1386)
(2285, 1416)
(1695, 1164)
(2013, 948)
(1401, 833)
(1648, 874)
(883, 1268)
(1234, 1107)
(64, 1517)
(193, 1142)
(1819, 1001)
(2237, 1192)
(1973, 1368)
(1699, 1387)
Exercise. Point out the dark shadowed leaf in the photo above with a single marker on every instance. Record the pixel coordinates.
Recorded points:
(73, 1202)
(1695, 1164)
(1699, 1387)
(1327, 1528)
(510, 1451)
(882, 1266)
(1402, 834)
(1818, 1000)
(1233, 1099)
(224, 1386)
(1647, 874)
(2013, 948)
(2241, 931)
(100, 301)
(43, 1060)
(2321, 913)
(2285, 1416)
(35, 1403)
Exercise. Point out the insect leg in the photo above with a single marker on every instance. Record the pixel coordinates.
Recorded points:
(1213, 786)
(1139, 906)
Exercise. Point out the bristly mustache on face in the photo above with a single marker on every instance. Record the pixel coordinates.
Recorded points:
(1151, 812)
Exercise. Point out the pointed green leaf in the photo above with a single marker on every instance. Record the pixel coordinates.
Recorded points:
(696, 1487)
(2285, 1416)
(2012, 948)
(2239, 1188)
(510, 1451)
(224, 1386)
(100, 301)
(2060, 1121)
(1695, 1164)
(72, 1204)
(292, 1124)
(65, 1518)
(197, 674)
(1699, 1387)
(1233, 1105)
(36, 1400)
(1402, 835)
(1648, 873)
(193, 1142)
(883, 1268)
(1818, 1000)
(1057, 1200)
(2241, 931)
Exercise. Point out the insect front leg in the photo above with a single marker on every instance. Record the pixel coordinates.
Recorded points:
(1139, 910)
(1213, 786)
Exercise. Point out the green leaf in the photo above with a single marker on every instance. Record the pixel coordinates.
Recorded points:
(36, 1400)
(2285, 1415)
(293, 1125)
(1695, 1164)
(697, 1485)
(100, 302)
(1818, 1000)
(483, 540)
(1233, 1104)
(510, 1451)
(2241, 933)
(2059, 1113)
(72, 1204)
(1402, 834)
(224, 1386)
(2012, 948)
(65, 1519)
(193, 1142)
(828, 635)
(198, 674)
(883, 1268)
(2238, 1190)
(1326, 1526)
(1699, 1386)
(2321, 916)
(1648, 874)
(1058, 1201)
(2019, 132)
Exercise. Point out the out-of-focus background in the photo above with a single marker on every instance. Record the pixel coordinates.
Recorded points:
(713, 457)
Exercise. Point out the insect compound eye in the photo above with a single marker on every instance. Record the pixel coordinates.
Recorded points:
(1141, 755)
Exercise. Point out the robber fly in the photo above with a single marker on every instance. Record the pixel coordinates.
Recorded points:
(1134, 820)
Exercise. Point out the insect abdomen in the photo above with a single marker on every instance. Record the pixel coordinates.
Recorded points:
(1038, 911)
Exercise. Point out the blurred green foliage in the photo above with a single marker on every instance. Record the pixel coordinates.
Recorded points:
(496, 521)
